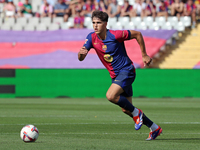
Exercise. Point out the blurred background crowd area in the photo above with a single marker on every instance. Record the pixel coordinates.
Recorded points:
(76, 11)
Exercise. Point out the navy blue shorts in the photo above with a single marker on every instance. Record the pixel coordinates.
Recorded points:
(125, 79)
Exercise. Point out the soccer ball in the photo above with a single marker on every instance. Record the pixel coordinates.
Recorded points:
(29, 133)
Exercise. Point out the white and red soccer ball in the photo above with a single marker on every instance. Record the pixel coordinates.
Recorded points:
(29, 133)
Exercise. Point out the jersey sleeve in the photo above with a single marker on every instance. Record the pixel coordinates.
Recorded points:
(122, 35)
(88, 42)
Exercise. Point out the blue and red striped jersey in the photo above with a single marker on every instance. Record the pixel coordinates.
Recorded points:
(111, 51)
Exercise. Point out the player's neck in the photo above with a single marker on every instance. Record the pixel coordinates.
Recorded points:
(102, 35)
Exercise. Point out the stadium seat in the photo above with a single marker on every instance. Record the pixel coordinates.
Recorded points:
(35, 8)
(1, 21)
(148, 20)
(29, 27)
(120, 2)
(141, 26)
(136, 20)
(58, 20)
(166, 26)
(87, 21)
(2, 15)
(112, 20)
(17, 27)
(117, 26)
(186, 20)
(54, 26)
(89, 26)
(39, 2)
(123, 20)
(160, 20)
(130, 25)
(46, 20)
(154, 26)
(108, 25)
(9, 20)
(36, 4)
(5, 26)
(65, 25)
(22, 21)
(33, 21)
(1, 7)
(71, 21)
(41, 27)
(16, 2)
(179, 27)
(132, 2)
(173, 20)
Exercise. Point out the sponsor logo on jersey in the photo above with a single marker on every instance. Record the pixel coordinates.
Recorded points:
(86, 41)
(96, 43)
(104, 47)
(108, 58)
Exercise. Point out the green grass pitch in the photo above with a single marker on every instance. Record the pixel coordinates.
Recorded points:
(96, 124)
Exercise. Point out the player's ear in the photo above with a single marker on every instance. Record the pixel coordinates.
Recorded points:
(106, 23)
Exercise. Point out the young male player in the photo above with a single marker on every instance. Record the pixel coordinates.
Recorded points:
(109, 46)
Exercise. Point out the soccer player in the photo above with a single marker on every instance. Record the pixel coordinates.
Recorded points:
(109, 46)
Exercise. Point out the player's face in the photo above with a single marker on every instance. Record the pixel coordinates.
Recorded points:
(98, 25)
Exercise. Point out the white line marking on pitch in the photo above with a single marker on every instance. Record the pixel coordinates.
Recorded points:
(79, 133)
(96, 123)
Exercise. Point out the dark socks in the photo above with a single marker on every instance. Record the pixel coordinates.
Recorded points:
(146, 121)
(124, 103)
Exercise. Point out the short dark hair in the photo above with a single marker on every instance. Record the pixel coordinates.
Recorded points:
(103, 16)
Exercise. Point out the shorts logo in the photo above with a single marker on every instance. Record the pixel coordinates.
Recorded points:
(117, 80)
(108, 58)
(104, 47)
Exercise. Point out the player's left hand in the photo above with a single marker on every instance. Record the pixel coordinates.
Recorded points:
(147, 60)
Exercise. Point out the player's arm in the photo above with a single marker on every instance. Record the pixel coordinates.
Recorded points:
(85, 48)
(138, 36)
(82, 53)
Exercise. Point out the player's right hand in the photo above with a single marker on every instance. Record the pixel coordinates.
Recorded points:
(83, 51)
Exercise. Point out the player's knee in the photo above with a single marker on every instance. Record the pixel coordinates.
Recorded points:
(110, 97)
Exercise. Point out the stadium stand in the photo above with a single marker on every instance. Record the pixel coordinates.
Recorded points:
(138, 22)
(134, 23)
(159, 30)
(187, 53)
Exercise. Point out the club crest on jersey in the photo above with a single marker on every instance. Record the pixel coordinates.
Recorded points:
(108, 58)
(104, 47)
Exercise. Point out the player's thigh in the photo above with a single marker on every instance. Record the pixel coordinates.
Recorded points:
(114, 91)
(125, 79)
